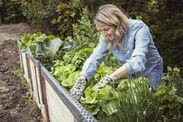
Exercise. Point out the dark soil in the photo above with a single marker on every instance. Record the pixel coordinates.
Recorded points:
(13, 107)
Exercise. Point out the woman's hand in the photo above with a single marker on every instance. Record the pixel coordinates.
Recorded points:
(107, 80)
(77, 90)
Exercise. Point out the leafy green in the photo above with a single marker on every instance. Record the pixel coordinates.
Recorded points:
(173, 78)
(43, 47)
(102, 100)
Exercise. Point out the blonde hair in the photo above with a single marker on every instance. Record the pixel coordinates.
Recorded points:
(111, 15)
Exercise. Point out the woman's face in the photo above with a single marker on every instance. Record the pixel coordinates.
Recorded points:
(106, 30)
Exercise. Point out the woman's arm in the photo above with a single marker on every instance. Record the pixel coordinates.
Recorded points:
(120, 73)
(89, 68)
(91, 64)
(138, 59)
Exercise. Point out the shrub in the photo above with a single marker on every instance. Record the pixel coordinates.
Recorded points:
(64, 17)
(84, 30)
(11, 11)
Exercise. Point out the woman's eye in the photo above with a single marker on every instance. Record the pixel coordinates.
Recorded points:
(106, 29)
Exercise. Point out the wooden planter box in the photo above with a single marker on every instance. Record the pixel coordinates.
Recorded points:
(55, 102)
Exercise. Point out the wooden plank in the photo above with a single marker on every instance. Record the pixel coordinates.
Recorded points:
(38, 77)
(24, 62)
(41, 92)
(26, 69)
(44, 106)
(20, 56)
(34, 82)
(29, 79)
(57, 110)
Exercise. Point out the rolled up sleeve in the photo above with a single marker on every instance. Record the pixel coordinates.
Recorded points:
(91, 64)
(138, 59)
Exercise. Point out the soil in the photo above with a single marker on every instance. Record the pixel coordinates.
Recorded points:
(13, 106)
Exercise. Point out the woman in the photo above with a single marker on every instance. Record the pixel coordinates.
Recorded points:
(130, 42)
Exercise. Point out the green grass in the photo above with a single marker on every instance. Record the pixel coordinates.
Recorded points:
(29, 100)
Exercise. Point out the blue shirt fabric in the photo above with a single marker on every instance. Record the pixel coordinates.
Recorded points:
(138, 54)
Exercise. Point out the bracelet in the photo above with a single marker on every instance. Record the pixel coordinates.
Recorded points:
(113, 77)
(83, 76)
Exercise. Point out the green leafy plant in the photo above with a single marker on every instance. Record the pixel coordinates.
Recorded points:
(101, 100)
(66, 14)
(101, 72)
(39, 12)
(43, 47)
(169, 105)
(65, 73)
(84, 30)
(173, 78)
(138, 103)
(77, 57)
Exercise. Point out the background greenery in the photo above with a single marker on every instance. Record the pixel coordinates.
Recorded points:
(164, 18)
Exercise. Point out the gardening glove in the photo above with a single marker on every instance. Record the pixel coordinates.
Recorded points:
(77, 90)
(107, 80)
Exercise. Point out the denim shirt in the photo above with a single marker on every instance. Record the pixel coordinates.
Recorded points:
(138, 54)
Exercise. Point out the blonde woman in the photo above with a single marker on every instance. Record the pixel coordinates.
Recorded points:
(130, 42)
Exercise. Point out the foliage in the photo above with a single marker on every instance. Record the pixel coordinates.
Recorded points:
(67, 69)
(30, 42)
(101, 72)
(66, 14)
(57, 16)
(77, 57)
(173, 78)
(136, 102)
(94, 4)
(170, 32)
(29, 100)
(65, 73)
(111, 61)
(100, 101)
(11, 11)
(20, 74)
(38, 12)
(84, 30)
(169, 105)
(43, 47)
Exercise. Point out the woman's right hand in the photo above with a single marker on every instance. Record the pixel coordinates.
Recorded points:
(77, 90)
